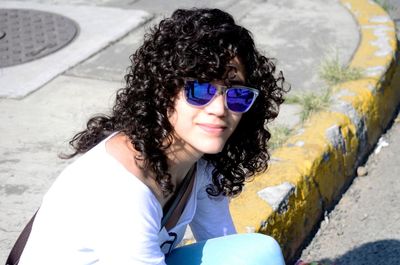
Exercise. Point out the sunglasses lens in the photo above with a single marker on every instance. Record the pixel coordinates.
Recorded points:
(199, 94)
(240, 99)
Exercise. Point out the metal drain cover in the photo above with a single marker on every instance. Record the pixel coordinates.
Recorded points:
(26, 35)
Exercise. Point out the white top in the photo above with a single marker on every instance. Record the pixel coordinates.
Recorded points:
(97, 212)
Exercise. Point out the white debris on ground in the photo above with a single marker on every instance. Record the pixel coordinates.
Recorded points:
(381, 143)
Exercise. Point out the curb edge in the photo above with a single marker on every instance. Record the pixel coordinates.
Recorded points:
(308, 174)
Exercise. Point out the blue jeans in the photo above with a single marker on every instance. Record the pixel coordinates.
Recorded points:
(238, 249)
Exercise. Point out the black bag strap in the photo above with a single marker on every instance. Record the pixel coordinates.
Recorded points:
(171, 205)
(16, 251)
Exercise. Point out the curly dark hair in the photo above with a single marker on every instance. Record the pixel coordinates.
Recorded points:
(196, 43)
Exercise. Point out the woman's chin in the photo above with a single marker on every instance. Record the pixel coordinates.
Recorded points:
(211, 149)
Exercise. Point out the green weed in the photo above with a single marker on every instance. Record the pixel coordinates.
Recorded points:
(311, 102)
(333, 73)
(279, 135)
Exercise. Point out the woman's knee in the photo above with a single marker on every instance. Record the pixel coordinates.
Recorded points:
(263, 249)
(263, 241)
(249, 248)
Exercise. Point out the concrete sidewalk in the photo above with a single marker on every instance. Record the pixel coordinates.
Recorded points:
(38, 120)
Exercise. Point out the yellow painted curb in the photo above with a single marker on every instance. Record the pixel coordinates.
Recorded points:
(307, 175)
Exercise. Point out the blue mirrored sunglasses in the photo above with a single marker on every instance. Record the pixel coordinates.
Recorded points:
(237, 98)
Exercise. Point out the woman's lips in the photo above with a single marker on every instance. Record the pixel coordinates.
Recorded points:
(212, 128)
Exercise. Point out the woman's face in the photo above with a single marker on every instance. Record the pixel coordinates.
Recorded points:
(205, 130)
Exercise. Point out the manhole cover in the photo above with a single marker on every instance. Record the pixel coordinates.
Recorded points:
(26, 35)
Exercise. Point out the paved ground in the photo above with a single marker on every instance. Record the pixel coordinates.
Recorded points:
(35, 128)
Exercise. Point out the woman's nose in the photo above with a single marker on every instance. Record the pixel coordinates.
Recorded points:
(217, 105)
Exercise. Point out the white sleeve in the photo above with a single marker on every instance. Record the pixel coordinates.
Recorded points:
(212, 217)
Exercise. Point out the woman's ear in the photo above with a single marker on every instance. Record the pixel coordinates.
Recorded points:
(235, 70)
(231, 72)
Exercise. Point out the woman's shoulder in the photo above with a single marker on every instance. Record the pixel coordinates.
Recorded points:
(98, 175)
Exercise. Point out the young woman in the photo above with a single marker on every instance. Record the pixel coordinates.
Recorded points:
(185, 134)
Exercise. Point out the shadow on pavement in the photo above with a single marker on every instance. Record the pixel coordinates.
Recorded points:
(385, 252)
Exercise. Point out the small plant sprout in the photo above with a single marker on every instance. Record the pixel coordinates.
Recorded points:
(311, 102)
(279, 135)
(333, 72)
